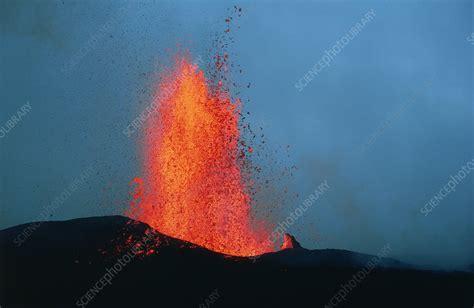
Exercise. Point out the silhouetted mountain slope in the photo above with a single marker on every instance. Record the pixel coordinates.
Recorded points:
(60, 261)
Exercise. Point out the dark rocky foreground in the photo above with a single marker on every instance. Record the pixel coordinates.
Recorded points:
(59, 262)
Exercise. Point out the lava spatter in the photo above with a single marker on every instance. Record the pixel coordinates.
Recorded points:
(194, 186)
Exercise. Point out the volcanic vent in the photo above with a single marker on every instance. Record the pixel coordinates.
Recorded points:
(289, 242)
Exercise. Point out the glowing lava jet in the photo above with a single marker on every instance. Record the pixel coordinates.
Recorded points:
(193, 180)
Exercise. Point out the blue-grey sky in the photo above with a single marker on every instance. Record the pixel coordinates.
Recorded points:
(83, 93)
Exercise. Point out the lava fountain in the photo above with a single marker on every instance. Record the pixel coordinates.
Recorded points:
(193, 186)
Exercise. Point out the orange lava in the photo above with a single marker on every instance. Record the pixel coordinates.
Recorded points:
(193, 179)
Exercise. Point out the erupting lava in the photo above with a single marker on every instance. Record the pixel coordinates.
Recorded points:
(193, 187)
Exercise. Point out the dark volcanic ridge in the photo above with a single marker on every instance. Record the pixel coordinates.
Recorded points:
(59, 264)
(110, 236)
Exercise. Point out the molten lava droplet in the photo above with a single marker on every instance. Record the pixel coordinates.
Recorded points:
(194, 187)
